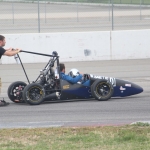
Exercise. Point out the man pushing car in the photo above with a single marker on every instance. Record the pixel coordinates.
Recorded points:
(6, 52)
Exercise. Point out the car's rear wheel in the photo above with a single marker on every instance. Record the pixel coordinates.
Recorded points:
(102, 90)
(15, 91)
(34, 94)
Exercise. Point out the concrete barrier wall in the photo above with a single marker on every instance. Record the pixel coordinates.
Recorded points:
(81, 46)
(131, 44)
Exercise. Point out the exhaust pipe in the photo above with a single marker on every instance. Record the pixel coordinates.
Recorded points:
(55, 95)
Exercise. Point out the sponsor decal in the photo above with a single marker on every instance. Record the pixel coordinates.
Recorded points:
(66, 87)
(110, 79)
(129, 85)
(122, 89)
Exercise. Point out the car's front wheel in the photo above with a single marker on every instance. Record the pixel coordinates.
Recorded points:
(102, 90)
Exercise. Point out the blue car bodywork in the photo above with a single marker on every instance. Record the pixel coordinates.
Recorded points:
(122, 88)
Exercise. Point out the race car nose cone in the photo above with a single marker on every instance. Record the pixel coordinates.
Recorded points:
(139, 90)
(136, 89)
(125, 88)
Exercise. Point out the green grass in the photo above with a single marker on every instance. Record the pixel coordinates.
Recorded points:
(131, 137)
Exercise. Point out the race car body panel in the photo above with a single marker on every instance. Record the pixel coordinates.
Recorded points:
(74, 91)
(122, 88)
(125, 88)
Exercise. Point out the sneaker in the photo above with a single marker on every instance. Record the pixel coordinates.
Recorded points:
(3, 103)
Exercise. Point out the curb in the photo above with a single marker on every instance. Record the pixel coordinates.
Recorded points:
(144, 122)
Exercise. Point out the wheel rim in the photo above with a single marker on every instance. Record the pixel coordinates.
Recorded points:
(35, 93)
(103, 89)
(17, 92)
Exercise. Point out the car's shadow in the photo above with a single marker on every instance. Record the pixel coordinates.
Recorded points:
(81, 100)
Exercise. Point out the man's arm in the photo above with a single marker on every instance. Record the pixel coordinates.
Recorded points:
(72, 80)
(9, 49)
(11, 52)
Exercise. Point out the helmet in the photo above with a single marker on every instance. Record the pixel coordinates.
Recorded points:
(73, 72)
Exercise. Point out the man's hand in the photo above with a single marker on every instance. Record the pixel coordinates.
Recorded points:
(12, 52)
(18, 50)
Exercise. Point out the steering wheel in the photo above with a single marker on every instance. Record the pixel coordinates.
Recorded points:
(86, 77)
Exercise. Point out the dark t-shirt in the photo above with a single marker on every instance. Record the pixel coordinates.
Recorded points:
(2, 51)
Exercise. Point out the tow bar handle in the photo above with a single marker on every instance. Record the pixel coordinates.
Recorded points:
(38, 53)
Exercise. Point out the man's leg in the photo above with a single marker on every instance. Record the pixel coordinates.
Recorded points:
(3, 103)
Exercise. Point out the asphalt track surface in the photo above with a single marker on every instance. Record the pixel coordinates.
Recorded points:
(116, 111)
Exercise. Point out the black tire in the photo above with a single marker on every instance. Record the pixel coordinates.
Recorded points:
(15, 90)
(34, 94)
(102, 90)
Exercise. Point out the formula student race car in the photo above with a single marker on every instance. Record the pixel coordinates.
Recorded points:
(49, 86)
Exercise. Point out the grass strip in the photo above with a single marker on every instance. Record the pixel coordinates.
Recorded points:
(129, 137)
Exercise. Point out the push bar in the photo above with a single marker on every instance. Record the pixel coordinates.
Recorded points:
(38, 53)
